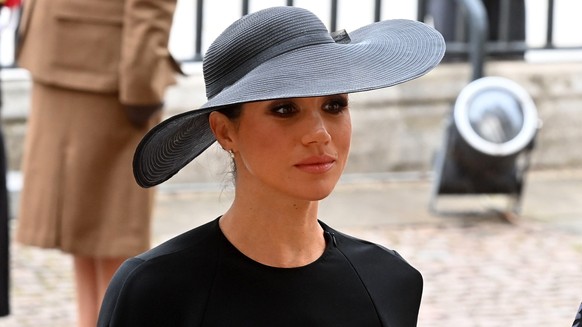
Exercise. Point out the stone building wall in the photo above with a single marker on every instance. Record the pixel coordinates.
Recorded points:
(394, 130)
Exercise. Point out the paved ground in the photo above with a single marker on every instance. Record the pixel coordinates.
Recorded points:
(479, 268)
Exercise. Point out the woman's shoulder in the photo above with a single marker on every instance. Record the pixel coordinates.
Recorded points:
(187, 253)
(176, 274)
(390, 280)
(370, 254)
(187, 243)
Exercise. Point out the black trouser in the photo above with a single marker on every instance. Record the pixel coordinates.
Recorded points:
(4, 239)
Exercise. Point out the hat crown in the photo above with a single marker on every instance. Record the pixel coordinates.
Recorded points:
(256, 38)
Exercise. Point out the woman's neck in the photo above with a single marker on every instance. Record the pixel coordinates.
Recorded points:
(279, 234)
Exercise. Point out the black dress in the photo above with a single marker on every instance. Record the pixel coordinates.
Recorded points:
(578, 320)
(200, 279)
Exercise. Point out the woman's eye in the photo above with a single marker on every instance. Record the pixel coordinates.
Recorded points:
(283, 110)
(336, 107)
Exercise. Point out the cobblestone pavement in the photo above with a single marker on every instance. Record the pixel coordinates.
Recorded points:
(479, 269)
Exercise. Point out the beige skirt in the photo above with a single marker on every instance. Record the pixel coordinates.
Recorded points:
(79, 194)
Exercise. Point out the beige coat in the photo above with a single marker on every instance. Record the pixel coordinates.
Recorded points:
(88, 59)
(124, 46)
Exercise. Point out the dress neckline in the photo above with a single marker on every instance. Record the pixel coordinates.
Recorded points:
(329, 243)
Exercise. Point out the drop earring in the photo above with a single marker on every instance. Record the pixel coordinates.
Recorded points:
(231, 154)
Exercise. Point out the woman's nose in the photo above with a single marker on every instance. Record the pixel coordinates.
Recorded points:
(316, 130)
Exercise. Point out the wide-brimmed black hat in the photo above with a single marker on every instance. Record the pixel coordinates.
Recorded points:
(286, 52)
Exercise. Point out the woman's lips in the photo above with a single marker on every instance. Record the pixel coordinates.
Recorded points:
(316, 164)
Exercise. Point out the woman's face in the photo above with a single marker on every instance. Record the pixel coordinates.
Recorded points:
(297, 147)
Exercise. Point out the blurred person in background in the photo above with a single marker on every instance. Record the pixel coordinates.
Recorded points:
(99, 71)
(4, 202)
(4, 232)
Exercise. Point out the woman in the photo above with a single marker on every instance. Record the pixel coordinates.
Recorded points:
(94, 96)
(277, 84)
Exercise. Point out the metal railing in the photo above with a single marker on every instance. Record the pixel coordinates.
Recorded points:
(471, 25)
(470, 41)
(245, 4)
(503, 44)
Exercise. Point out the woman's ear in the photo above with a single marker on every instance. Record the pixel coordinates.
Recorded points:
(223, 129)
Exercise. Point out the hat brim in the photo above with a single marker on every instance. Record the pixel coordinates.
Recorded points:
(379, 55)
